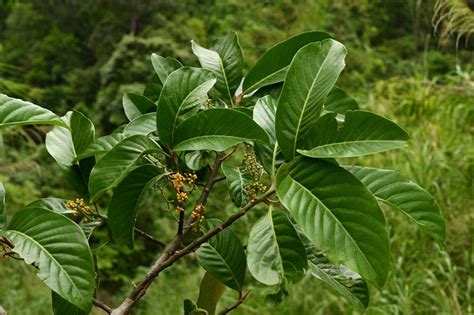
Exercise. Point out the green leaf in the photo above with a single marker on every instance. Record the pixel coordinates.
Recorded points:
(153, 88)
(210, 293)
(135, 105)
(185, 90)
(400, 193)
(62, 307)
(274, 249)
(236, 182)
(264, 115)
(53, 204)
(272, 66)
(102, 145)
(3, 213)
(338, 214)
(141, 125)
(15, 112)
(60, 249)
(226, 61)
(127, 196)
(196, 160)
(312, 74)
(164, 66)
(223, 256)
(338, 101)
(363, 133)
(217, 129)
(118, 162)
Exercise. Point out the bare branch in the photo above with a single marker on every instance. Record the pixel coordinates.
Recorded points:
(236, 304)
(102, 305)
(148, 237)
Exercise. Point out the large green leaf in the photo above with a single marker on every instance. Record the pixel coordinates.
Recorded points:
(264, 115)
(164, 66)
(223, 256)
(15, 112)
(60, 249)
(311, 75)
(275, 250)
(53, 204)
(141, 125)
(3, 213)
(338, 214)
(236, 182)
(184, 90)
(338, 101)
(135, 105)
(118, 162)
(127, 196)
(225, 59)
(272, 66)
(217, 129)
(210, 292)
(400, 193)
(62, 307)
(363, 133)
(102, 145)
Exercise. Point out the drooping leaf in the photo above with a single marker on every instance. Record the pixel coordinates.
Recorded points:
(236, 182)
(127, 196)
(223, 256)
(400, 193)
(264, 115)
(338, 214)
(272, 66)
(338, 101)
(164, 66)
(135, 105)
(274, 249)
(62, 307)
(185, 90)
(363, 133)
(118, 162)
(60, 249)
(226, 61)
(311, 75)
(102, 145)
(141, 125)
(217, 129)
(3, 213)
(210, 293)
(15, 112)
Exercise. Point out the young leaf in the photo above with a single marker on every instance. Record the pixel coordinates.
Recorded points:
(272, 66)
(184, 90)
(15, 112)
(363, 133)
(274, 249)
(62, 307)
(135, 105)
(127, 196)
(400, 193)
(311, 75)
(217, 129)
(338, 101)
(226, 61)
(210, 293)
(3, 214)
(118, 162)
(60, 249)
(338, 214)
(141, 125)
(164, 66)
(102, 145)
(223, 256)
(236, 182)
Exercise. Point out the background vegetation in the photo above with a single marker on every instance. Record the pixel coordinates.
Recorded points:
(85, 54)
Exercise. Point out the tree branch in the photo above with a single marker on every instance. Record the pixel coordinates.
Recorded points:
(236, 304)
(171, 254)
(148, 237)
(102, 305)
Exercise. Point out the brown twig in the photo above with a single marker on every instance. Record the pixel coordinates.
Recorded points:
(236, 304)
(148, 237)
(102, 305)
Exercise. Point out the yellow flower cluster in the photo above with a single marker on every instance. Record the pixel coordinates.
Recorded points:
(178, 180)
(198, 212)
(78, 206)
(250, 165)
(253, 188)
(182, 197)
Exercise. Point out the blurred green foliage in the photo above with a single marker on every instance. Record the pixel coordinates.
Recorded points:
(85, 54)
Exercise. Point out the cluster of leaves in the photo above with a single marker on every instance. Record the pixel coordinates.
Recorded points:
(326, 220)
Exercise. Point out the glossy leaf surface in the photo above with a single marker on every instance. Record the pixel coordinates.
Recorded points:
(164, 66)
(135, 105)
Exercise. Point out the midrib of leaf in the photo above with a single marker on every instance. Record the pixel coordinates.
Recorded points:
(211, 136)
(48, 254)
(221, 63)
(338, 223)
(234, 278)
(401, 142)
(280, 260)
(251, 88)
(306, 103)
